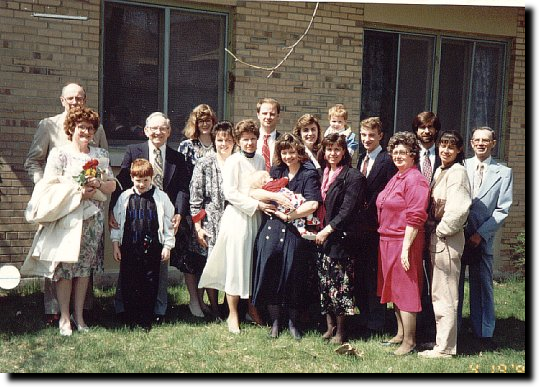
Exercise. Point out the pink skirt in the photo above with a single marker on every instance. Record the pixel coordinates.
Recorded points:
(402, 288)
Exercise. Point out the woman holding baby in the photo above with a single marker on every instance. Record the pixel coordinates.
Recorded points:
(279, 257)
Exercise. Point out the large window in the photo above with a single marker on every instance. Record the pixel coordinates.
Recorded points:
(160, 59)
(402, 78)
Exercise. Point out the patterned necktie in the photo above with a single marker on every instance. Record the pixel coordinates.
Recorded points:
(427, 167)
(158, 168)
(266, 152)
(478, 178)
(365, 164)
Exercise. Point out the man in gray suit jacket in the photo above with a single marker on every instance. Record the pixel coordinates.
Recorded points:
(50, 134)
(492, 197)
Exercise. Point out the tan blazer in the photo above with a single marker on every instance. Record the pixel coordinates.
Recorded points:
(50, 134)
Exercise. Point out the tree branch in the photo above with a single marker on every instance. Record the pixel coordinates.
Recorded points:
(291, 49)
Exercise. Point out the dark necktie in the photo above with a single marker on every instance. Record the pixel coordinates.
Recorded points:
(427, 167)
(365, 165)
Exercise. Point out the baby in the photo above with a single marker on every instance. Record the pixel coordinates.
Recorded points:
(262, 179)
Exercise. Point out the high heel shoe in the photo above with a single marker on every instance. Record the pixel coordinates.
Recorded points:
(80, 328)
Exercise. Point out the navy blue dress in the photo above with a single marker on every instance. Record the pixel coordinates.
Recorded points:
(281, 255)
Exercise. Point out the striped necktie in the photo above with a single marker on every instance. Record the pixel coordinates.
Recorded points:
(266, 152)
(158, 168)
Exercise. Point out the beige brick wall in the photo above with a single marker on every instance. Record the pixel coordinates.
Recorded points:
(324, 69)
(38, 56)
(516, 139)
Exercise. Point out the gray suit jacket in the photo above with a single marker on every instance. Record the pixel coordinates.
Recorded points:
(50, 134)
(491, 205)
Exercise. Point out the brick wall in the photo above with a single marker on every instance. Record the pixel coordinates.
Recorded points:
(324, 69)
(38, 56)
(516, 139)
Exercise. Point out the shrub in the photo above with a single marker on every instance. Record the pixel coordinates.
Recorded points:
(518, 257)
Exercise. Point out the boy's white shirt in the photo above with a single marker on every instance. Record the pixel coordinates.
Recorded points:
(165, 212)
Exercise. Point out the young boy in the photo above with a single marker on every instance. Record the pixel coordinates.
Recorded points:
(338, 123)
(144, 239)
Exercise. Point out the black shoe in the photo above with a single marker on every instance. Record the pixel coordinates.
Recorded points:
(487, 344)
(158, 319)
(51, 320)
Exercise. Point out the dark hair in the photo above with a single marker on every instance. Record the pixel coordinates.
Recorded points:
(334, 139)
(303, 121)
(77, 114)
(226, 127)
(288, 141)
(245, 126)
(452, 137)
(426, 119)
(409, 140)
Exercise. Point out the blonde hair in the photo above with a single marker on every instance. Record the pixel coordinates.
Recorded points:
(202, 111)
(338, 111)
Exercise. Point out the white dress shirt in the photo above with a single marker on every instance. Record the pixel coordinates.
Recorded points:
(271, 143)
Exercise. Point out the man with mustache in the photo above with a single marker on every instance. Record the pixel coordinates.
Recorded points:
(426, 126)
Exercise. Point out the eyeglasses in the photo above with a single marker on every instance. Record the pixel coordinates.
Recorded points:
(158, 128)
(481, 140)
(202, 121)
(89, 129)
(400, 153)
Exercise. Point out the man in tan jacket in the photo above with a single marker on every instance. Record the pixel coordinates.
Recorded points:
(50, 134)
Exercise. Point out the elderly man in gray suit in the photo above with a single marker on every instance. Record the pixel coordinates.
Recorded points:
(491, 199)
(50, 134)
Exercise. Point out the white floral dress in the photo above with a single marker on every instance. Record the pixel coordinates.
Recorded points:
(66, 161)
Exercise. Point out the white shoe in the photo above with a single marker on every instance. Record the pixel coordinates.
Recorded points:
(195, 310)
(65, 330)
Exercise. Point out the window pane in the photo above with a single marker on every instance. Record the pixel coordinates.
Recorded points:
(131, 68)
(415, 79)
(379, 79)
(487, 88)
(455, 64)
(196, 65)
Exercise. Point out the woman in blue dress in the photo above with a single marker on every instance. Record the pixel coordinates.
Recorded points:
(280, 263)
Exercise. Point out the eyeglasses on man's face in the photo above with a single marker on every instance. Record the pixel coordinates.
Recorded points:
(481, 140)
(156, 129)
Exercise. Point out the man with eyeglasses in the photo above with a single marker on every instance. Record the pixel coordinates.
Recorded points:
(170, 175)
(492, 197)
(50, 134)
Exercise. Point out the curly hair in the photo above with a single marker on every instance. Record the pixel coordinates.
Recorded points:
(78, 114)
(305, 120)
(407, 139)
(201, 112)
(338, 111)
(245, 126)
(289, 141)
(338, 140)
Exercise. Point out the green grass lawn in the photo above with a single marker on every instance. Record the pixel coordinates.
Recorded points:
(185, 344)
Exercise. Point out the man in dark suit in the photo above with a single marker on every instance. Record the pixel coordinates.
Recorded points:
(378, 167)
(267, 112)
(426, 126)
(171, 176)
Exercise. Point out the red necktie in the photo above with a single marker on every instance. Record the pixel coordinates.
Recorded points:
(365, 164)
(266, 152)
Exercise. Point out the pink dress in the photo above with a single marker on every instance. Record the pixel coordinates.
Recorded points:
(403, 202)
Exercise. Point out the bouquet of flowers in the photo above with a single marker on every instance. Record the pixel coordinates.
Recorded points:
(91, 169)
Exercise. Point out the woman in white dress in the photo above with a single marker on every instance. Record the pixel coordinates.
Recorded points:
(229, 264)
